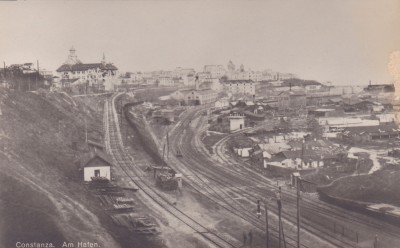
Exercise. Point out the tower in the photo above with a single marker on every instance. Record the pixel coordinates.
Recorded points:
(103, 61)
(72, 57)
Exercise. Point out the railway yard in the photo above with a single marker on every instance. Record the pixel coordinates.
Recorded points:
(223, 184)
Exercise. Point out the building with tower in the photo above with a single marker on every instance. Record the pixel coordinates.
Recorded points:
(87, 78)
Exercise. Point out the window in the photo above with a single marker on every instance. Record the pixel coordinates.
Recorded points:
(96, 173)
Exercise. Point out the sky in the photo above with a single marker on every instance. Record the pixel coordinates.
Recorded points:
(344, 42)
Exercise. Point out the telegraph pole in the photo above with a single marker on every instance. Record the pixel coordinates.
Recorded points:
(266, 225)
(298, 212)
(37, 64)
(168, 144)
(163, 161)
(86, 133)
(279, 215)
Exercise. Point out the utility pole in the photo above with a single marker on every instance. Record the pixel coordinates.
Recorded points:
(168, 144)
(266, 225)
(37, 75)
(163, 153)
(86, 133)
(298, 212)
(279, 215)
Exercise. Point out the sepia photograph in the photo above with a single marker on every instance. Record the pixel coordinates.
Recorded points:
(200, 124)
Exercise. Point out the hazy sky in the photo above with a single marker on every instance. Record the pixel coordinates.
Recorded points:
(346, 42)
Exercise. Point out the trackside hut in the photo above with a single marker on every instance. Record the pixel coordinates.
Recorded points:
(96, 164)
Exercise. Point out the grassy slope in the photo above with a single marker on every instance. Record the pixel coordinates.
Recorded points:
(381, 187)
(38, 175)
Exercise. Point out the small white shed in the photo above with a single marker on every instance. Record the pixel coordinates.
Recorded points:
(96, 164)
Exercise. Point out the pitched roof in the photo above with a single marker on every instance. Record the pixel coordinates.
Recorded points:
(237, 81)
(205, 92)
(96, 144)
(69, 80)
(387, 128)
(86, 158)
(306, 154)
(84, 67)
(293, 93)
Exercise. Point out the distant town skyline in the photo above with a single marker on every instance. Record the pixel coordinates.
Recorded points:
(345, 42)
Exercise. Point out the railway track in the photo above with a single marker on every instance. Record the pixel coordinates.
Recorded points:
(197, 165)
(321, 208)
(126, 163)
(310, 207)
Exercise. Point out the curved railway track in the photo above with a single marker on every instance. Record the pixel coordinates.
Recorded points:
(310, 207)
(126, 163)
(197, 165)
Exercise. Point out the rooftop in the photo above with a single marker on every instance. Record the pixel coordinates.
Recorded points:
(85, 67)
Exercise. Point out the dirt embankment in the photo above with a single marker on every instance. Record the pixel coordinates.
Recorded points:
(42, 197)
(380, 187)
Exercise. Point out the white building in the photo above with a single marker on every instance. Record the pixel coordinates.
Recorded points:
(166, 82)
(236, 122)
(102, 76)
(222, 103)
(216, 71)
(201, 96)
(183, 72)
(246, 87)
(96, 164)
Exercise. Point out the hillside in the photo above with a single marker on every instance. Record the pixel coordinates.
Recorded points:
(42, 197)
(380, 187)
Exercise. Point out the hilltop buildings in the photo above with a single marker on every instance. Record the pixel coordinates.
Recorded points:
(96, 77)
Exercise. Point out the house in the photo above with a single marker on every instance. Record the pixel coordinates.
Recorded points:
(96, 164)
(180, 94)
(375, 88)
(246, 87)
(183, 72)
(166, 81)
(222, 103)
(200, 96)
(243, 152)
(357, 105)
(385, 118)
(365, 134)
(99, 76)
(326, 112)
(216, 71)
(292, 100)
(338, 123)
(297, 160)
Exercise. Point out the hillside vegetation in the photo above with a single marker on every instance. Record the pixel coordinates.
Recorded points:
(42, 197)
